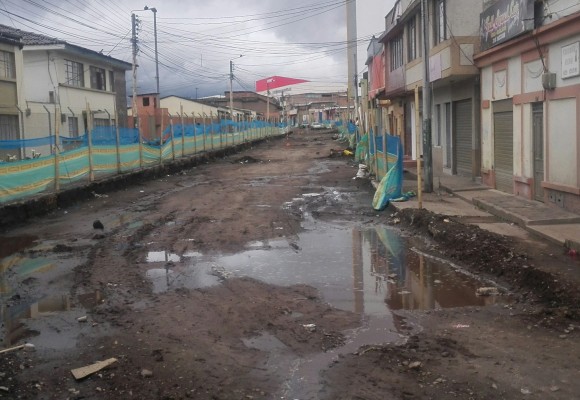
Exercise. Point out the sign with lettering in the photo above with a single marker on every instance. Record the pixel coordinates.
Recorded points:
(571, 60)
(505, 20)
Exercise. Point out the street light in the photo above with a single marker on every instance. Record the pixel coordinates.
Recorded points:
(154, 10)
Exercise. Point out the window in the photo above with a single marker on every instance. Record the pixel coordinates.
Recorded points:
(112, 80)
(440, 25)
(396, 48)
(98, 80)
(75, 75)
(439, 124)
(7, 66)
(101, 122)
(412, 39)
(145, 101)
(73, 127)
(9, 127)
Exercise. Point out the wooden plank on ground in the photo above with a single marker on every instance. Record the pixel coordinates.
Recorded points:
(83, 372)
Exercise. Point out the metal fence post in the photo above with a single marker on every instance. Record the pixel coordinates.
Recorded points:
(90, 139)
(182, 132)
(172, 136)
(117, 141)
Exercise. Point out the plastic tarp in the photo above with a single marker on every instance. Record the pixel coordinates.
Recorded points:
(391, 184)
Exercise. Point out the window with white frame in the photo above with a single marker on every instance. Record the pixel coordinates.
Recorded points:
(74, 73)
(412, 39)
(7, 65)
(396, 49)
(98, 78)
(440, 25)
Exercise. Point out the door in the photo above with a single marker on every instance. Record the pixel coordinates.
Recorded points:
(538, 138)
(503, 147)
(462, 116)
(448, 143)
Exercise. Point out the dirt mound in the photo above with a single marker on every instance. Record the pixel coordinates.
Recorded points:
(496, 255)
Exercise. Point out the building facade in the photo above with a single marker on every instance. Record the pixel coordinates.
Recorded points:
(454, 81)
(530, 83)
(60, 87)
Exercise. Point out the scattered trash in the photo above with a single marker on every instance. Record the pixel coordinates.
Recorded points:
(25, 346)
(436, 281)
(415, 365)
(310, 327)
(4, 389)
(447, 220)
(97, 195)
(487, 291)
(347, 153)
(145, 373)
(83, 372)
(493, 385)
(460, 326)
(526, 391)
(82, 319)
(363, 171)
(294, 246)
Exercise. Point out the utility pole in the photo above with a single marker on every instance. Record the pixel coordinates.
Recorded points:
(268, 102)
(351, 40)
(196, 93)
(356, 104)
(134, 102)
(427, 148)
(232, 90)
(156, 52)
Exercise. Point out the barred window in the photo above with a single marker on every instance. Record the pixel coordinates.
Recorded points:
(440, 25)
(412, 39)
(98, 78)
(7, 65)
(396, 47)
(73, 127)
(74, 73)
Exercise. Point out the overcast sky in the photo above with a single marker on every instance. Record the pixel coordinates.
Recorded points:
(300, 39)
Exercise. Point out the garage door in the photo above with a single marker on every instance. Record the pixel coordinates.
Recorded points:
(503, 150)
(463, 133)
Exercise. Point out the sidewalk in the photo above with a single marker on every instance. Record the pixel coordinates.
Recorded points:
(473, 202)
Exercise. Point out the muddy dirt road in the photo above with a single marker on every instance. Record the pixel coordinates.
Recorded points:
(267, 275)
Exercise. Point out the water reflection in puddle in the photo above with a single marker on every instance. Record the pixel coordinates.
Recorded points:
(24, 265)
(162, 256)
(15, 244)
(368, 271)
(22, 320)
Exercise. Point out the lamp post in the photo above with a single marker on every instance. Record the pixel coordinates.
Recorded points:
(154, 10)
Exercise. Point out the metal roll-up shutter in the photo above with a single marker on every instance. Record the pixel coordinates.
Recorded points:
(504, 150)
(462, 117)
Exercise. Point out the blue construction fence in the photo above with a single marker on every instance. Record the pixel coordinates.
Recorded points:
(50, 164)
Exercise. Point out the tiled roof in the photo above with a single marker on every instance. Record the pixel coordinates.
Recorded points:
(27, 38)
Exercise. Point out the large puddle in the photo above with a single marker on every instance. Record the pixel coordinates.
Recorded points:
(51, 321)
(368, 271)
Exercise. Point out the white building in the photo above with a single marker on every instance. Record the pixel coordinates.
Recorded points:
(59, 84)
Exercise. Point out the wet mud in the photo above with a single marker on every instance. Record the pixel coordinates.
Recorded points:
(268, 275)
